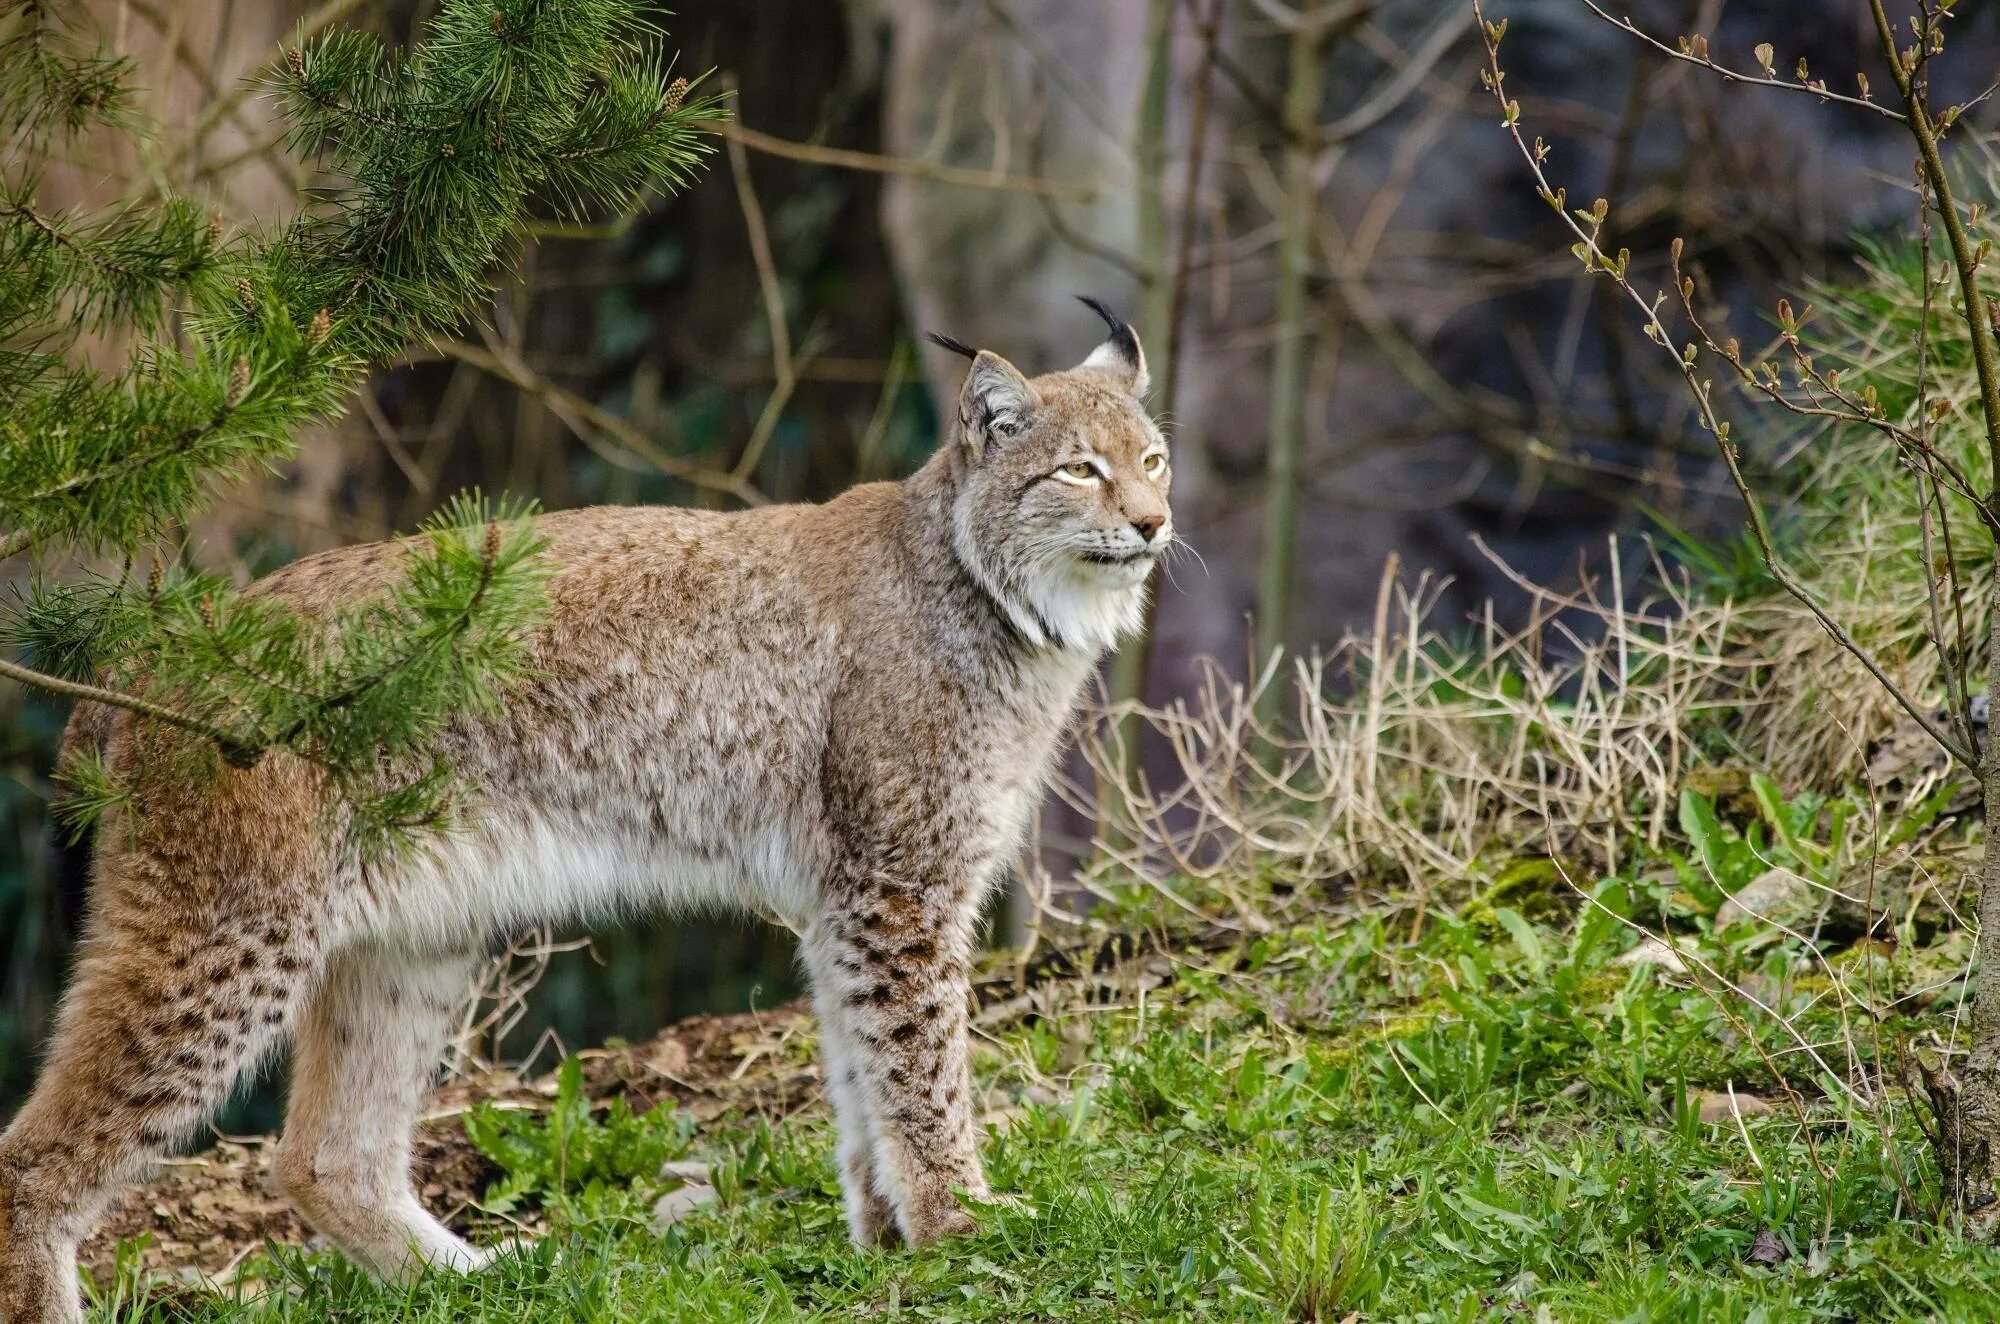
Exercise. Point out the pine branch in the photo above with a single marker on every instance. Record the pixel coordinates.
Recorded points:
(224, 741)
(358, 689)
(48, 85)
(120, 270)
(446, 149)
(403, 254)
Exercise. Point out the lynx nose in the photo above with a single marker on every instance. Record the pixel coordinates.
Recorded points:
(1148, 525)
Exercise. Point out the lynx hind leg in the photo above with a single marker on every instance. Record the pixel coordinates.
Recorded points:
(163, 1014)
(896, 981)
(367, 1049)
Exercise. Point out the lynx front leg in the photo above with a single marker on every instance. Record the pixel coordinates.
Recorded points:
(891, 969)
(871, 1219)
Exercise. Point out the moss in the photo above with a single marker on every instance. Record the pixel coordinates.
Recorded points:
(1533, 885)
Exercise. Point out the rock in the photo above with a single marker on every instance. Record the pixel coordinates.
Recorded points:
(1716, 1108)
(691, 1172)
(1776, 896)
(695, 1191)
(1652, 951)
(672, 1207)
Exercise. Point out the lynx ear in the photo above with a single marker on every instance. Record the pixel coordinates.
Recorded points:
(1120, 355)
(996, 404)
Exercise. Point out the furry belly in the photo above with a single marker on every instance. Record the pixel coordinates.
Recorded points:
(512, 871)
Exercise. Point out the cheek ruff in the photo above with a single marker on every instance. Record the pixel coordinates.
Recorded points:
(1053, 592)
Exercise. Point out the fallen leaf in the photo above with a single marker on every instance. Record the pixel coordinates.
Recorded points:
(1767, 1249)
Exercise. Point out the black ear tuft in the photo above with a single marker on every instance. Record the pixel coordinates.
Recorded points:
(1123, 338)
(955, 346)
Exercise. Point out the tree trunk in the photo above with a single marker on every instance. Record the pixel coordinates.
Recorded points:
(1288, 367)
(1134, 660)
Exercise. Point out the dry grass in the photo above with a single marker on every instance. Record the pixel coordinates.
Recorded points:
(1413, 752)
(1424, 750)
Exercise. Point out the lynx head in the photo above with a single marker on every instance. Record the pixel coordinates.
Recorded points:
(1061, 506)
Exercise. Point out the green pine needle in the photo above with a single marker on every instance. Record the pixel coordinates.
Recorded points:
(446, 152)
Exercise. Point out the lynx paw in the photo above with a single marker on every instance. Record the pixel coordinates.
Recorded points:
(935, 1220)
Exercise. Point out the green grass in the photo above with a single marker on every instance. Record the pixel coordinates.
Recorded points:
(1493, 1120)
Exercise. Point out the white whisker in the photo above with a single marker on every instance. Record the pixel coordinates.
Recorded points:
(1179, 545)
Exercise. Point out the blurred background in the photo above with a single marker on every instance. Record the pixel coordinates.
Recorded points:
(1368, 336)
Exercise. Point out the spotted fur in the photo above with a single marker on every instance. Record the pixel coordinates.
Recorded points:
(841, 714)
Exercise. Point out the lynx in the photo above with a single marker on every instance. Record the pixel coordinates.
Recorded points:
(838, 714)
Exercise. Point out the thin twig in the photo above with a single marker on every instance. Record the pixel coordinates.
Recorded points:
(785, 379)
(1820, 385)
(584, 418)
(1985, 357)
(848, 159)
(1812, 87)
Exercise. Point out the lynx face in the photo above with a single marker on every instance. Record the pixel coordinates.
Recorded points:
(1063, 511)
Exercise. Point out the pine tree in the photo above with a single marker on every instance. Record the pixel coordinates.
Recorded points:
(241, 338)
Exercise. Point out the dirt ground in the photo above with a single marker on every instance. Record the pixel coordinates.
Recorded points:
(202, 1215)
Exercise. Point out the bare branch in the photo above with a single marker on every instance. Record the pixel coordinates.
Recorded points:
(1615, 268)
(1812, 87)
(848, 159)
(785, 378)
(586, 420)
(1382, 101)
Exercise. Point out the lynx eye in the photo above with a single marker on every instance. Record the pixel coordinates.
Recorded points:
(1155, 464)
(1080, 471)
